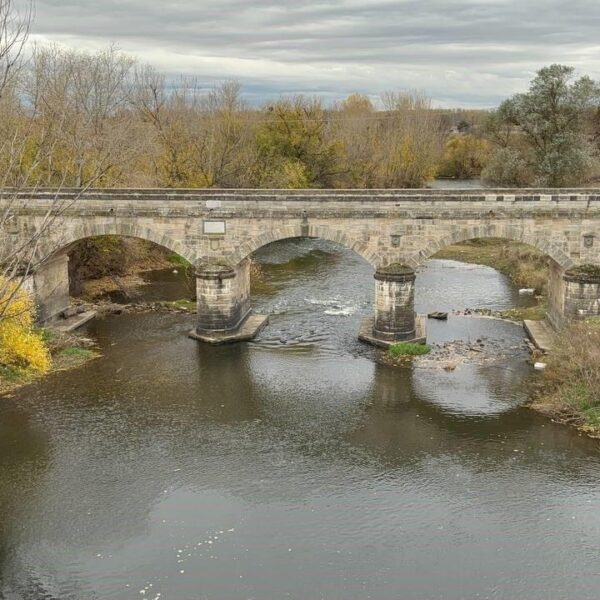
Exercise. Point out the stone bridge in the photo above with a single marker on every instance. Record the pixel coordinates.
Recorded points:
(394, 230)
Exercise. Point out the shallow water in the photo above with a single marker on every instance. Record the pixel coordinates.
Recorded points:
(297, 466)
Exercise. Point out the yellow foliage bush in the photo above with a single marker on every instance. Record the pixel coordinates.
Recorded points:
(21, 346)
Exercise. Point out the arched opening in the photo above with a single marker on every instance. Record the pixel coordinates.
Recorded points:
(109, 268)
(304, 231)
(543, 244)
(306, 285)
(125, 269)
(490, 276)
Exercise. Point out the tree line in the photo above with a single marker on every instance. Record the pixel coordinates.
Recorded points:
(72, 118)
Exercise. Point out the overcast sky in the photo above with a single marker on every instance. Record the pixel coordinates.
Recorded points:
(461, 52)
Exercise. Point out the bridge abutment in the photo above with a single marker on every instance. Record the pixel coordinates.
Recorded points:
(49, 286)
(224, 312)
(395, 319)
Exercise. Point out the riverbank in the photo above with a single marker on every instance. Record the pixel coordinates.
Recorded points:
(67, 351)
(526, 266)
(569, 389)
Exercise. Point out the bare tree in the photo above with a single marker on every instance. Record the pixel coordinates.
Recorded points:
(25, 147)
(89, 96)
(411, 140)
(205, 138)
(14, 31)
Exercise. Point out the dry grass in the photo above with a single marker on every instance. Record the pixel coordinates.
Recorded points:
(570, 390)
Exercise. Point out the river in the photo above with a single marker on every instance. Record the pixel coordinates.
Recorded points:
(297, 465)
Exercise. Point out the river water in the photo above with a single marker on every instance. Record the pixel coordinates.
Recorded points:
(297, 466)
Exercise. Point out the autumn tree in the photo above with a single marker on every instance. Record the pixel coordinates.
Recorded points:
(410, 141)
(84, 99)
(465, 155)
(203, 138)
(295, 145)
(356, 128)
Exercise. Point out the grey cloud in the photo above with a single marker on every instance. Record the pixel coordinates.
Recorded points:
(462, 52)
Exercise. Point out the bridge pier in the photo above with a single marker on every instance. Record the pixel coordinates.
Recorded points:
(224, 312)
(395, 319)
(573, 295)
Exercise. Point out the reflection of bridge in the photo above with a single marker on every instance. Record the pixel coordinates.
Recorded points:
(394, 230)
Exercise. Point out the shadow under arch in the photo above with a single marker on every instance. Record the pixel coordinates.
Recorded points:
(311, 231)
(514, 234)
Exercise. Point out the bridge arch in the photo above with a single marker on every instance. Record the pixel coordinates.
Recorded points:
(50, 280)
(462, 234)
(311, 231)
(55, 246)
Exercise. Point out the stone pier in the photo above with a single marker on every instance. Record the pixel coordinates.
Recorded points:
(224, 312)
(395, 319)
(574, 294)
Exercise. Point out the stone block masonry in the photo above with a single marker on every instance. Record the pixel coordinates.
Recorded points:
(394, 303)
(386, 227)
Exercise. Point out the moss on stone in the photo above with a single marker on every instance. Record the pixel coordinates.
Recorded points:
(585, 273)
(396, 269)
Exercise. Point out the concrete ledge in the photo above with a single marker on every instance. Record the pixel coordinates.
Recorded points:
(246, 331)
(73, 322)
(365, 333)
(540, 333)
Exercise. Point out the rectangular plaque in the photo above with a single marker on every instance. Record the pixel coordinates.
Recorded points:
(214, 227)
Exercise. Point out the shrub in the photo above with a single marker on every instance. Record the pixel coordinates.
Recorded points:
(409, 349)
(21, 345)
(464, 157)
(571, 385)
(506, 167)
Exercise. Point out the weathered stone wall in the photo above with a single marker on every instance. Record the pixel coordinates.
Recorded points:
(404, 226)
(50, 287)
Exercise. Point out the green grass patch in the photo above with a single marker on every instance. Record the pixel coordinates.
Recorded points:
(409, 349)
(75, 351)
(530, 313)
(12, 374)
(46, 334)
(175, 259)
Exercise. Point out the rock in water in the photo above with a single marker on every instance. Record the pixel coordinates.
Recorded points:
(441, 316)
